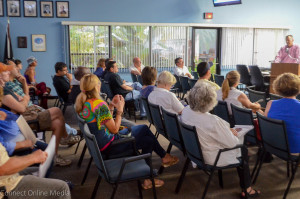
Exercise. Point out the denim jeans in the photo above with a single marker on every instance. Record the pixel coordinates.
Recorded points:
(135, 95)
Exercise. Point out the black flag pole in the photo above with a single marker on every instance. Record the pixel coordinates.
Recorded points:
(8, 52)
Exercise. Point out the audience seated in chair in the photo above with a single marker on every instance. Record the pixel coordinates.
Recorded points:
(48, 119)
(181, 70)
(62, 81)
(214, 133)
(119, 87)
(287, 109)
(203, 70)
(149, 75)
(41, 88)
(137, 66)
(100, 68)
(162, 96)
(98, 115)
(232, 95)
(11, 170)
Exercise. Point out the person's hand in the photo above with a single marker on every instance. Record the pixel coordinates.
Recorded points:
(120, 105)
(27, 144)
(234, 132)
(115, 100)
(10, 62)
(124, 81)
(189, 75)
(258, 106)
(69, 76)
(21, 79)
(26, 97)
(39, 156)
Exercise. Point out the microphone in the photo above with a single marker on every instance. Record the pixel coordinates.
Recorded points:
(287, 50)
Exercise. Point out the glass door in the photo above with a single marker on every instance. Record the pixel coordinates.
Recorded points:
(206, 47)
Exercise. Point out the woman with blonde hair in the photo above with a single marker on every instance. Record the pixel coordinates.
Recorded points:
(100, 67)
(98, 116)
(288, 108)
(231, 95)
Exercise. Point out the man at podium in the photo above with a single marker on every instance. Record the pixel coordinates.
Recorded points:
(289, 53)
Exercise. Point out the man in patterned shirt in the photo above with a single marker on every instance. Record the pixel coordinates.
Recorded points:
(290, 53)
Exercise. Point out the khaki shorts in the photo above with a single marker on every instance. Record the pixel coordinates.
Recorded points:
(44, 119)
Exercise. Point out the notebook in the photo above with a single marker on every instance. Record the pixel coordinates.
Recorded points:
(51, 152)
(25, 129)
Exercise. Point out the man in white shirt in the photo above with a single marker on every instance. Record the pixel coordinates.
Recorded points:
(137, 67)
(180, 69)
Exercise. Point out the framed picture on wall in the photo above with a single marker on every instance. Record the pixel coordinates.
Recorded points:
(62, 9)
(30, 9)
(13, 8)
(38, 43)
(22, 42)
(1, 8)
(46, 8)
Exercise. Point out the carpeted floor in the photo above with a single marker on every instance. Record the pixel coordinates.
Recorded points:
(272, 180)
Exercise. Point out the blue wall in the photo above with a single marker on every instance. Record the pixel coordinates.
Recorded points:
(256, 12)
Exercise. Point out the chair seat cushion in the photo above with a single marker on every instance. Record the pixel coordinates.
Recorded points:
(132, 170)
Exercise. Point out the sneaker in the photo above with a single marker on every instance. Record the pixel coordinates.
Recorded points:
(59, 161)
(70, 140)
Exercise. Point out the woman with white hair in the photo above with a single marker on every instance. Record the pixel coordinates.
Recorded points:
(214, 133)
(162, 96)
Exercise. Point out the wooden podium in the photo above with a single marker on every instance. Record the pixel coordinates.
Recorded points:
(280, 68)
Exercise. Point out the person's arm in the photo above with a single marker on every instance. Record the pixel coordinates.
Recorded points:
(125, 87)
(22, 80)
(18, 163)
(135, 72)
(269, 104)
(4, 67)
(247, 103)
(24, 144)
(279, 56)
(31, 75)
(70, 77)
(14, 105)
(176, 104)
(223, 134)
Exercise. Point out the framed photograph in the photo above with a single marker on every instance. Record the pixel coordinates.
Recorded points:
(1, 8)
(46, 8)
(62, 9)
(13, 8)
(22, 42)
(30, 9)
(38, 43)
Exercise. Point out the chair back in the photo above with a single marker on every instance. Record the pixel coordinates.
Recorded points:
(244, 73)
(147, 108)
(274, 137)
(274, 96)
(94, 150)
(107, 90)
(61, 100)
(139, 79)
(177, 84)
(191, 143)
(256, 76)
(219, 79)
(134, 78)
(184, 83)
(195, 74)
(192, 82)
(254, 96)
(221, 110)
(157, 119)
(243, 116)
(173, 129)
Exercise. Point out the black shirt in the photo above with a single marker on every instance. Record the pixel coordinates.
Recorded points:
(62, 85)
(115, 83)
(74, 93)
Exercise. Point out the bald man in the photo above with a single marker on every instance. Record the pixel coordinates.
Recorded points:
(137, 67)
(290, 53)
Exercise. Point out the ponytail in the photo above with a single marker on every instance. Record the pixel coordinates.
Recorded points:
(225, 89)
(80, 100)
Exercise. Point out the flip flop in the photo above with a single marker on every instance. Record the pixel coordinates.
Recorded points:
(253, 195)
(158, 183)
(174, 160)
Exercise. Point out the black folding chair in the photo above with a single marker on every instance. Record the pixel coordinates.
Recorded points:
(219, 79)
(120, 170)
(195, 74)
(184, 85)
(275, 141)
(257, 79)
(192, 82)
(254, 96)
(194, 153)
(221, 110)
(274, 96)
(148, 113)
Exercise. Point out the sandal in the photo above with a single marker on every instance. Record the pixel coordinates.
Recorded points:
(253, 195)
(173, 161)
(158, 183)
(70, 140)
(62, 162)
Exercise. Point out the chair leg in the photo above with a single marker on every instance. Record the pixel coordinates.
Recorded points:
(257, 162)
(288, 168)
(86, 171)
(156, 134)
(96, 187)
(149, 126)
(180, 181)
(291, 179)
(153, 188)
(259, 167)
(220, 178)
(140, 189)
(114, 191)
(64, 109)
(77, 146)
(81, 156)
(207, 184)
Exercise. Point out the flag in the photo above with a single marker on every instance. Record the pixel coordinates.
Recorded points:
(8, 52)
